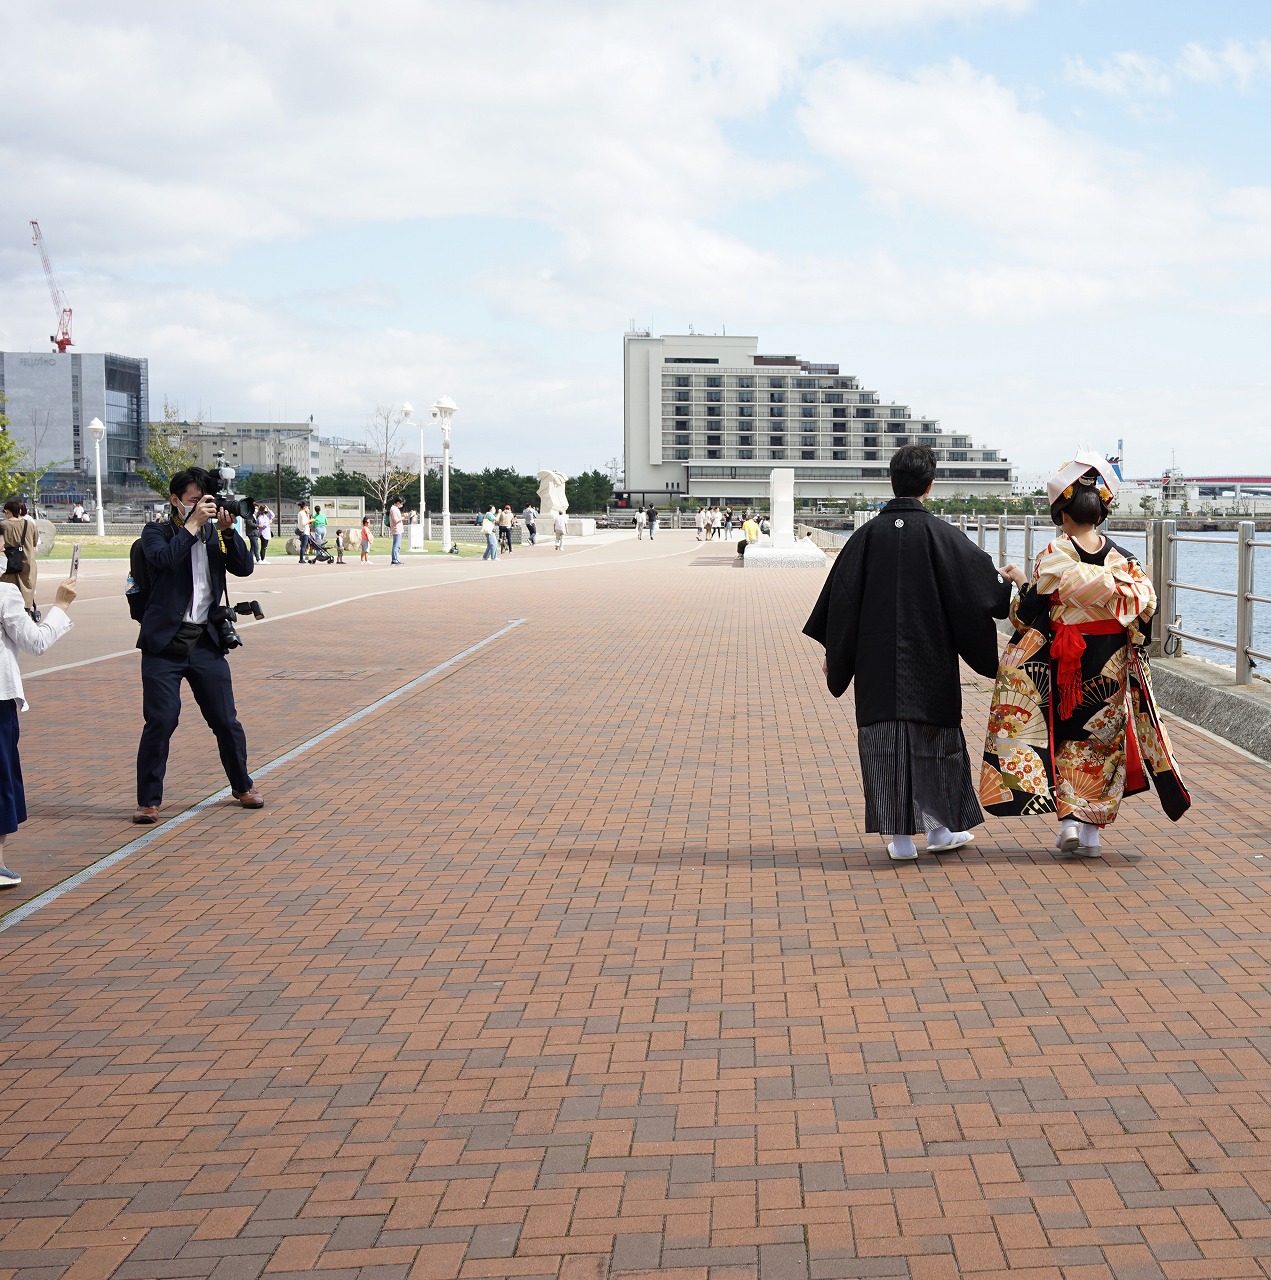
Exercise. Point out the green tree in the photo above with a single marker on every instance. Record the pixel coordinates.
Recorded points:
(339, 484)
(590, 492)
(170, 448)
(263, 485)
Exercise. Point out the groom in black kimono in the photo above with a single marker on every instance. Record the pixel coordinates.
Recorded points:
(907, 597)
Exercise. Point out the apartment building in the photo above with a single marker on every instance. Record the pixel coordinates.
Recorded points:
(707, 418)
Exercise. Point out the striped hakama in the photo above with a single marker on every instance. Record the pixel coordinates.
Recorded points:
(916, 777)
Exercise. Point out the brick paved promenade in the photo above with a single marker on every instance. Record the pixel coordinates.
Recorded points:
(572, 960)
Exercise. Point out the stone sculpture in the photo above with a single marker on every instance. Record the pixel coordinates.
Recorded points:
(551, 495)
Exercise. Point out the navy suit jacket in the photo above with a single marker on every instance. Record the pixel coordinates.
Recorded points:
(167, 548)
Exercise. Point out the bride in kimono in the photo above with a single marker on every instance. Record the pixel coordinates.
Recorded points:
(1073, 726)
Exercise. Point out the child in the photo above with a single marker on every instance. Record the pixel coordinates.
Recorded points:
(339, 546)
(367, 535)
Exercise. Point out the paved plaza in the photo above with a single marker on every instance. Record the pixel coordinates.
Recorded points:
(559, 950)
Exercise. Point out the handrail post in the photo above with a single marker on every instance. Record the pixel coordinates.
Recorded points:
(1154, 542)
(962, 524)
(1244, 606)
(980, 522)
(1001, 539)
(1028, 543)
(1168, 561)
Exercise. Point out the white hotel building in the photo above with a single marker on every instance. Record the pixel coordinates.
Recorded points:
(708, 418)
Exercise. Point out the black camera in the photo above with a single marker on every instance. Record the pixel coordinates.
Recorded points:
(222, 616)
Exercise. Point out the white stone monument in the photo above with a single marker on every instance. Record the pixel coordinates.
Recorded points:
(551, 499)
(784, 551)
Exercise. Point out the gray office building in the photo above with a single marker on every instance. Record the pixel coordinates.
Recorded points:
(50, 398)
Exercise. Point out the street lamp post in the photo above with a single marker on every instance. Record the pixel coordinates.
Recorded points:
(445, 408)
(97, 429)
(416, 529)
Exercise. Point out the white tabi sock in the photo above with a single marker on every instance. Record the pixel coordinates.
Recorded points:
(1089, 835)
(904, 845)
(939, 835)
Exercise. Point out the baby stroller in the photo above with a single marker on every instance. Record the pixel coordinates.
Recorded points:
(318, 545)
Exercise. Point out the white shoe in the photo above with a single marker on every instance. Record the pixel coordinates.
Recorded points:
(958, 839)
(902, 857)
(1090, 850)
(1067, 841)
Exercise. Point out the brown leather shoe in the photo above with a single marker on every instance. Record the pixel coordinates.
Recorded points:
(146, 813)
(250, 799)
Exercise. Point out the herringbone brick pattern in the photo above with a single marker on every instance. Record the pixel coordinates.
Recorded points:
(575, 962)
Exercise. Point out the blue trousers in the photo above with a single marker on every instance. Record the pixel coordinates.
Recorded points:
(304, 546)
(396, 558)
(208, 675)
(491, 547)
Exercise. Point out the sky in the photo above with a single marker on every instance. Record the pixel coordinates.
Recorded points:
(1046, 223)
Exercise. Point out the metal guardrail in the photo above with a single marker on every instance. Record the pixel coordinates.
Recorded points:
(1163, 540)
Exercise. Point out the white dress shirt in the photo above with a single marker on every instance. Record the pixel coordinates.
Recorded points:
(19, 632)
(201, 597)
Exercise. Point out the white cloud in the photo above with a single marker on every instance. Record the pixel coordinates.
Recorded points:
(1137, 76)
(1239, 62)
(1124, 75)
(1105, 222)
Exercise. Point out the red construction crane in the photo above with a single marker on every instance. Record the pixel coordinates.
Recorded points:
(62, 338)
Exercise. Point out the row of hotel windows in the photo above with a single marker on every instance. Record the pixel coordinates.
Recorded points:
(714, 430)
(805, 411)
(800, 384)
(777, 452)
(805, 397)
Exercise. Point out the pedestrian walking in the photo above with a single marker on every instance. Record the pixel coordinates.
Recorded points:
(529, 518)
(506, 521)
(641, 523)
(20, 539)
(1073, 721)
(264, 528)
(559, 527)
(907, 596)
(395, 524)
(489, 526)
(20, 632)
(303, 527)
(366, 537)
(653, 521)
(700, 521)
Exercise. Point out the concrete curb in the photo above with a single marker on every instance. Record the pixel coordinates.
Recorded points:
(1207, 695)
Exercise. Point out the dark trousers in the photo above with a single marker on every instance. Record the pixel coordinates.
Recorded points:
(264, 546)
(505, 537)
(209, 677)
(253, 541)
(305, 540)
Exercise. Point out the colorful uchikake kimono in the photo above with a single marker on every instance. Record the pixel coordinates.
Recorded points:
(1073, 725)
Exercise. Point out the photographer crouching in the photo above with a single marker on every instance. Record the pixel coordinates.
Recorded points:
(186, 633)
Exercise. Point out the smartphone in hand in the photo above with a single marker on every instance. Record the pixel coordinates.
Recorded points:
(75, 561)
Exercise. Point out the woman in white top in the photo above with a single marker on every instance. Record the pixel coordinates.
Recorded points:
(19, 632)
(264, 528)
